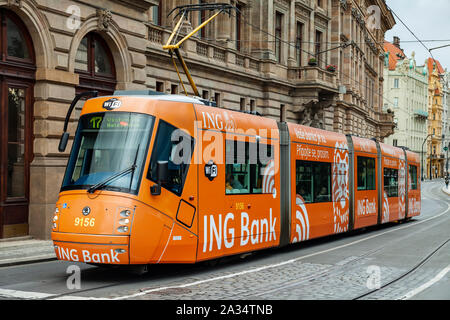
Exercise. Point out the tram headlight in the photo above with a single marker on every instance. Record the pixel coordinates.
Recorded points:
(124, 221)
(125, 213)
(55, 219)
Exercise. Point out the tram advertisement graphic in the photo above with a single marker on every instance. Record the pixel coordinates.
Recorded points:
(302, 220)
(401, 189)
(231, 231)
(340, 188)
(385, 217)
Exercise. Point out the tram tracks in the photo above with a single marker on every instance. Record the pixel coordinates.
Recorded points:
(342, 269)
(421, 263)
(405, 274)
(336, 270)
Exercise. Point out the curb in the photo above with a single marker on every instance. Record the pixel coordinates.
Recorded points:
(27, 260)
(446, 191)
(25, 250)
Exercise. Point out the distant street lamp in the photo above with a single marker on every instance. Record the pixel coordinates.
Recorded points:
(446, 163)
(421, 157)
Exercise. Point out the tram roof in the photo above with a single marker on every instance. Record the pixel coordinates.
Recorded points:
(155, 95)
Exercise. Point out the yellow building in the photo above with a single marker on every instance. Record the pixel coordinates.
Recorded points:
(435, 155)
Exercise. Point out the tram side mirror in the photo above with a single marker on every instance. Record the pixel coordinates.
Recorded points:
(162, 174)
(162, 168)
(63, 142)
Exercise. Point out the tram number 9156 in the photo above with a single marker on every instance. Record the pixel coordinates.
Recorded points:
(84, 222)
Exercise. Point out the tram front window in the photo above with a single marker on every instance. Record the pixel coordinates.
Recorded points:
(105, 145)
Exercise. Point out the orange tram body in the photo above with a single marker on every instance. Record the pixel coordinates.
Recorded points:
(172, 179)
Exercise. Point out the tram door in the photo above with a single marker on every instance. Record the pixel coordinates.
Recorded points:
(174, 145)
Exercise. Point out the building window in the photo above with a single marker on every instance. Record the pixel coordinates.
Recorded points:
(95, 65)
(17, 44)
(282, 113)
(252, 105)
(238, 27)
(201, 19)
(156, 14)
(159, 86)
(278, 35)
(242, 104)
(205, 94)
(174, 89)
(298, 46)
(217, 98)
(318, 46)
(394, 142)
(396, 83)
(395, 102)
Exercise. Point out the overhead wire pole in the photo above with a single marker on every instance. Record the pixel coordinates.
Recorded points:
(174, 48)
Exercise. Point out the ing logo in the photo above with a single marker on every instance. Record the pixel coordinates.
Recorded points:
(268, 183)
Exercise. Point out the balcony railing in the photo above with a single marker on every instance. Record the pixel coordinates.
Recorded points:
(206, 50)
(312, 75)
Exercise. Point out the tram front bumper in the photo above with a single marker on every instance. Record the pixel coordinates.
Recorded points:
(90, 248)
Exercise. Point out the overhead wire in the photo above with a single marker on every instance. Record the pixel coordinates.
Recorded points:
(289, 43)
(277, 39)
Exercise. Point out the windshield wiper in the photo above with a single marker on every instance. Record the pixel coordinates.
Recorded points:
(109, 179)
(118, 174)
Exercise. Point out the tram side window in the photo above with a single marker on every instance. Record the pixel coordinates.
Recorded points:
(366, 173)
(175, 146)
(391, 182)
(246, 167)
(413, 177)
(313, 181)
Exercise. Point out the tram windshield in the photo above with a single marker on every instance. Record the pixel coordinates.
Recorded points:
(108, 152)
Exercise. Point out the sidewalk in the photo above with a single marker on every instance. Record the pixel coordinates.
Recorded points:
(446, 190)
(23, 250)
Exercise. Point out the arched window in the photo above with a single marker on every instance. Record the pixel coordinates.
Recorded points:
(17, 74)
(94, 63)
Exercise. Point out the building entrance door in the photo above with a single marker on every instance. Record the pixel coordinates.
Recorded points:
(17, 74)
(15, 154)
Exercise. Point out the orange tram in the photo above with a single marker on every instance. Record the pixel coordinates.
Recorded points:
(155, 178)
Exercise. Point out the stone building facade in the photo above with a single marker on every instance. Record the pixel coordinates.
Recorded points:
(435, 152)
(55, 49)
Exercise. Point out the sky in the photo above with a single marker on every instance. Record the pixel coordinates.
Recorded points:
(428, 20)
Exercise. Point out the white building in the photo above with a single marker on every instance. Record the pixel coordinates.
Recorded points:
(406, 88)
